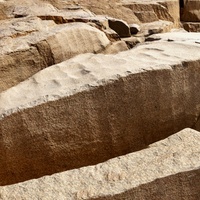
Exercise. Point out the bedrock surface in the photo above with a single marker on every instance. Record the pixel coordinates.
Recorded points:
(168, 169)
(95, 107)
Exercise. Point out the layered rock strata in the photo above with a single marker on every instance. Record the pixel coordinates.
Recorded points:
(167, 169)
(95, 107)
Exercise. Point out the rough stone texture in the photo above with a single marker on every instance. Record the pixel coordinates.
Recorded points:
(23, 8)
(184, 185)
(65, 15)
(94, 107)
(133, 41)
(112, 35)
(191, 26)
(168, 169)
(191, 11)
(77, 38)
(112, 8)
(91, 108)
(154, 10)
(31, 44)
(2, 11)
(155, 27)
(116, 47)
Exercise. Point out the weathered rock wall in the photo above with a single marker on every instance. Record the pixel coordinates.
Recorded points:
(76, 113)
(59, 114)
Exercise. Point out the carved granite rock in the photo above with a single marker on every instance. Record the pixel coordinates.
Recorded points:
(31, 44)
(112, 8)
(154, 10)
(94, 107)
(82, 82)
(168, 169)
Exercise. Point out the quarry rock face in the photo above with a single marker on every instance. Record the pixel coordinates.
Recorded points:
(99, 99)
(154, 10)
(40, 44)
(73, 110)
(191, 11)
(168, 168)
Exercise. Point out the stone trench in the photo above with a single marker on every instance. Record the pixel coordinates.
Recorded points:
(105, 121)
